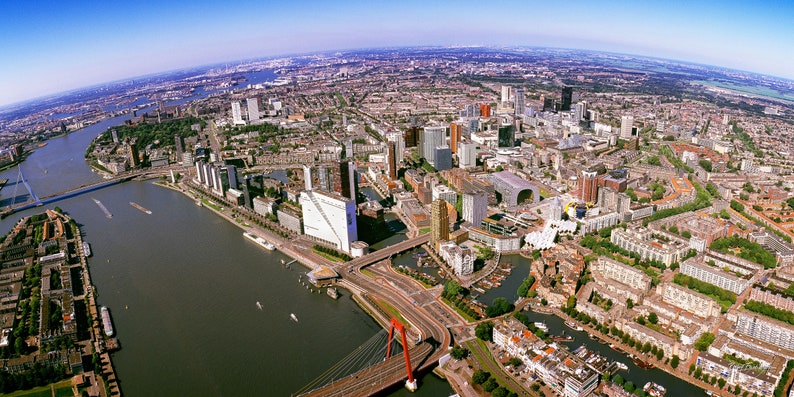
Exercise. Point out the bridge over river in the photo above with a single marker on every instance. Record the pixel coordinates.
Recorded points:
(35, 201)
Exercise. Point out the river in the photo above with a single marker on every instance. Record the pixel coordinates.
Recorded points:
(182, 286)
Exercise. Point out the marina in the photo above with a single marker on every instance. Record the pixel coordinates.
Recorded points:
(144, 210)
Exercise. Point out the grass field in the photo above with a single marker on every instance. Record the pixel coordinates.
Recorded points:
(62, 389)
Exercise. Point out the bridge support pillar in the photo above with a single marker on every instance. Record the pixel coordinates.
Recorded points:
(410, 384)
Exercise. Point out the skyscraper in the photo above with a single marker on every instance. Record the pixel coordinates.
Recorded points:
(485, 110)
(588, 187)
(411, 136)
(237, 114)
(391, 159)
(505, 93)
(439, 223)
(442, 158)
(581, 111)
(454, 137)
(626, 122)
(567, 98)
(253, 109)
(347, 178)
(475, 206)
(467, 155)
(429, 139)
(519, 101)
(507, 136)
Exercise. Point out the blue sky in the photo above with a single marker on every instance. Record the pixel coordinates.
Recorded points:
(48, 47)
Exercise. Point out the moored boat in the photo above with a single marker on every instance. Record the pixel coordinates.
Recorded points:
(654, 389)
(107, 324)
(260, 241)
(86, 249)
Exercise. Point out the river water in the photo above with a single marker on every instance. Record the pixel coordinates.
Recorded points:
(182, 287)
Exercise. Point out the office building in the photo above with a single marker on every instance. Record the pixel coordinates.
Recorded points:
(485, 110)
(475, 206)
(442, 158)
(429, 139)
(439, 223)
(587, 190)
(329, 218)
(467, 154)
(567, 98)
(581, 111)
(237, 114)
(454, 137)
(253, 109)
(391, 160)
(626, 124)
(519, 101)
(507, 136)
(505, 94)
(345, 180)
(411, 136)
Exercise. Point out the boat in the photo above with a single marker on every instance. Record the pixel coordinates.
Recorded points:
(573, 326)
(293, 317)
(332, 292)
(542, 326)
(638, 362)
(562, 338)
(106, 323)
(259, 240)
(198, 203)
(258, 305)
(621, 366)
(86, 249)
(138, 206)
(654, 389)
(103, 208)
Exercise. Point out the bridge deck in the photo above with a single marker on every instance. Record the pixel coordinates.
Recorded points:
(374, 379)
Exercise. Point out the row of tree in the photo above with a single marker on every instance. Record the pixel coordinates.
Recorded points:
(770, 311)
(749, 250)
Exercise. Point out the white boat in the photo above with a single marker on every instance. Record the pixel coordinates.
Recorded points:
(106, 323)
(258, 305)
(293, 317)
(574, 326)
(542, 326)
(622, 366)
(654, 389)
(260, 241)
(86, 249)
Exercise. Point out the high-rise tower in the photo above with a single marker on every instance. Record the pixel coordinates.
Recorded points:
(439, 223)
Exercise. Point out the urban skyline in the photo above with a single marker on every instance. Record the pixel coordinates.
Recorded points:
(65, 47)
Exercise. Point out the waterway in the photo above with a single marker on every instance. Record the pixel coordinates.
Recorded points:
(674, 385)
(182, 285)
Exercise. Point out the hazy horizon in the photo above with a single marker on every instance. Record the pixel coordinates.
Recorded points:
(63, 47)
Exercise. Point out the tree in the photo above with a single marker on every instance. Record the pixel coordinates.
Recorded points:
(571, 302)
(459, 352)
(618, 380)
(490, 385)
(704, 341)
(646, 347)
(628, 386)
(675, 361)
(500, 391)
(479, 377)
(499, 307)
(660, 354)
(721, 382)
(653, 318)
(515, 361)
(484, 331)
(629, 303)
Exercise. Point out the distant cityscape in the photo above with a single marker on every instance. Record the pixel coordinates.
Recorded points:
(653, 199)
